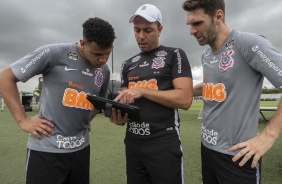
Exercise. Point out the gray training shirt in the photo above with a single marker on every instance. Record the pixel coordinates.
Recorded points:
(232, 84)
(67, 78)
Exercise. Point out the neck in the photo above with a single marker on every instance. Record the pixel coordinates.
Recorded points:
(80, 51)
(221, 37)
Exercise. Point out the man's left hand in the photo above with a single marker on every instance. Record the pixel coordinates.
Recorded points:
(255, 147)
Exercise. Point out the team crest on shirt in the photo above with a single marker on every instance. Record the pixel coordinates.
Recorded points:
(158, 62)
(72, 55)
(161, 53)
(226, 60)
(98, 78)
(135, 59)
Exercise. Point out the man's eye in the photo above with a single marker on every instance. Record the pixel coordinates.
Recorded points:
(197, 23)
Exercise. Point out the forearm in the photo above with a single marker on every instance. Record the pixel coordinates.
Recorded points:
(176, 98)
(180, 97)
(9, 92)
(197, 90)
(274, 127)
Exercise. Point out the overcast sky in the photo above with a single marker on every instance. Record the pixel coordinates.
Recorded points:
(26, 25)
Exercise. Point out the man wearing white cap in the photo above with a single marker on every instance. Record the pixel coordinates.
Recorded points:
(159, 81)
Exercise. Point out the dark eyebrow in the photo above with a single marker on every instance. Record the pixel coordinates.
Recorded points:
(196, 23)
(148, 29)
(143, 28)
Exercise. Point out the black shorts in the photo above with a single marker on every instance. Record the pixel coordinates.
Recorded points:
(155, 161)
(58, 168)
(218, 168)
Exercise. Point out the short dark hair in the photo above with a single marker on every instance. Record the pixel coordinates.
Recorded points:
(99, 31)
(209, 6)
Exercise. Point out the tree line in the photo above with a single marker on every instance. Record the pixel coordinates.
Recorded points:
(271, 91)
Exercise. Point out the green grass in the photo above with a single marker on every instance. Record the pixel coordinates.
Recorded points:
(107, 150)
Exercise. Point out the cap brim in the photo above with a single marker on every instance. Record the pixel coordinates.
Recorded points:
(148, 18)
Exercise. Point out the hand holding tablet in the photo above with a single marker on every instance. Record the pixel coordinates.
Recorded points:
(107, 105)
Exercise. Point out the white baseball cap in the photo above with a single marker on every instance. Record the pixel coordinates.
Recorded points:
(149, 12)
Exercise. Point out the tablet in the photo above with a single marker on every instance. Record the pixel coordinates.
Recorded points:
(107, 104)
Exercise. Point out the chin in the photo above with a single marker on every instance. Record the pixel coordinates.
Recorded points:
(144, 49)
(202, 43)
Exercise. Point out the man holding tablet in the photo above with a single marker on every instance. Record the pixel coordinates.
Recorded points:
(159, 81)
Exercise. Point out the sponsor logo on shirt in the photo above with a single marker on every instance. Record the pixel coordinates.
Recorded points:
(255, 48)
(34, 60)
(74, 85)
(132, 67)
(161, 53)
(229, 44)
(179, 61)
(169, 129)
(121, 77)
(139, 128)
(69, 69)
(214, 60)
(266, 59)
(208, 52)
(133, 78)
(69, 142)
(210, 136)
(214, 92)
(151, 84)
(72, 55)
(144, 64)
(135, 59)
(75, 99)
(226, 60)
(86, 72)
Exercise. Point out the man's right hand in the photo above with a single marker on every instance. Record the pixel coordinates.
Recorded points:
(37, 126)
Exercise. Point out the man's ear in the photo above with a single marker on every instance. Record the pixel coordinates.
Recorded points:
(160, 30)
(219, 15)
(82, 43)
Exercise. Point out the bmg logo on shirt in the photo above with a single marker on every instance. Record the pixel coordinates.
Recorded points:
(139, 129)
(210, 136)
(214, 92)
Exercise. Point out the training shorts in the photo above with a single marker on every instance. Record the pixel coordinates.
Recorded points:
(154, 161)
(218, 168)
(58, 168)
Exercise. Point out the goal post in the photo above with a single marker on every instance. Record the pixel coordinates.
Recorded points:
(200, 115)
(2, 104)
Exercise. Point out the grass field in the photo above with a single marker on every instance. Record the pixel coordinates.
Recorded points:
(107, 150)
